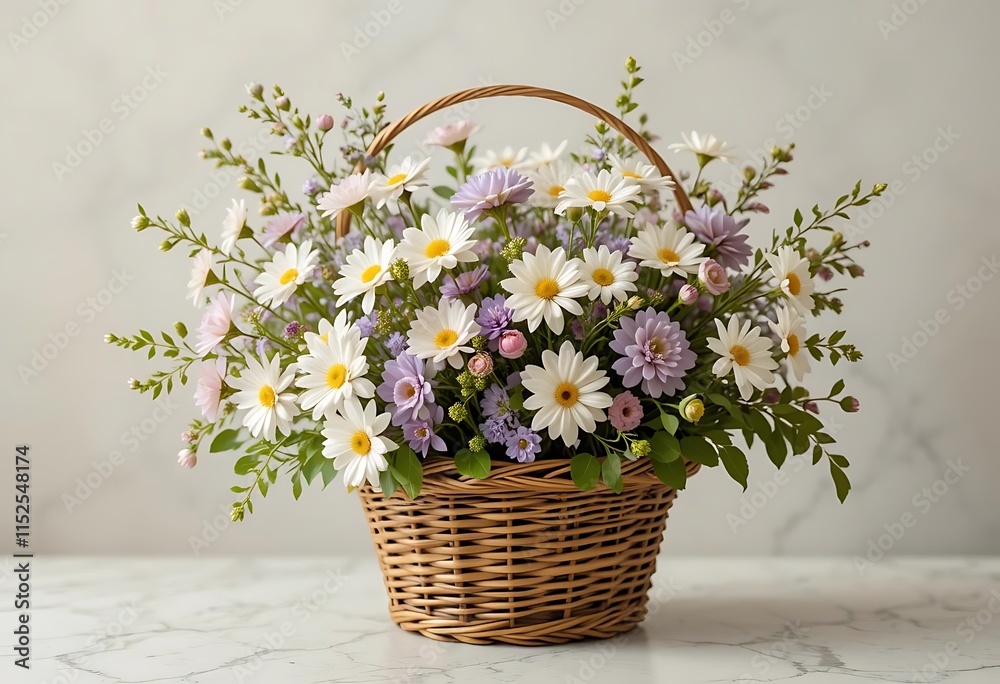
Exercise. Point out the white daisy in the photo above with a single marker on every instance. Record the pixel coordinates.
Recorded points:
(351, 191)
(442, 333)
(334, 372)
(202, 276)
(746, 353)
(354, 442)
(603, 192)
(564, 391)
(792, 335)
(508, 157)
(705, 148)
(607, 275)
(671, 249)
(364, 271)
(550, 180)
(408, 175)
(285, 273)
(646, 176)
(792, 273)
(441, 243)
(232, 226)
(546, 155)
(340, 327)
(262, 394)
(544, 284)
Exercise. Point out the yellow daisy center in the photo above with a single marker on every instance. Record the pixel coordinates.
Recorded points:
(603, 277)
(506, 163)
(336, 376)
(668, 256)
(437, 248)
(445, 338)
(361, 443)
(547, 288)
(740, 354)
(266, 396)
(630, 174)
(566, 394)
(794, 284)
(555, 190)
(370, 273)
(599, 196)
(793, 344)
(288, 276)
(398, 178)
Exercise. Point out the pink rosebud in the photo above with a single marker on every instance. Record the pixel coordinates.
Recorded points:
(625, 412)
(771, 396)
(324, 122)
(850, 404)
(688, 295)
(187, 458)
(481, 365)
(856, 271)
(811, 407)
(713, 277)
(512, 344)
(824, 273)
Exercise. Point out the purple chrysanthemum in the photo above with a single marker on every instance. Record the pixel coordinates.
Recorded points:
(496, 430)
(396, 344)
(523, 444)
(464, 283)
(655, 352)
(405, 387)
(419, 432)
(491, 189)
(494, 317)
(495, 403)
(719, 229)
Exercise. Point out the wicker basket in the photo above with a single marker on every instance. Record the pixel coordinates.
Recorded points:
(522, 557)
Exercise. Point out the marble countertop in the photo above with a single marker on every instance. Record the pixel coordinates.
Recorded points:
(313, 620)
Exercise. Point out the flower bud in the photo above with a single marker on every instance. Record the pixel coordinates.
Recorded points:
(635, 302)
(641, 447)
(771, 396)
(324, 122)
(824, 273)
(255, 90)
(480, 365)
(400, 270)
(188, 437)
(856, 270)
(713, 197)
(879, 188)
(750, 172)
(226, 144)
(133, 384)
(850, 404)
(574, 214)
(713, 276)
(688, 295)
(811, 407)
(480, 343)
(248, 184)
(183, 218)
(512, 344)
(140, 223)
(692, 408)
(187, 458)
(837, 239)
(181, 329)
(458, 412)
(207, 132)
(477, 444)
(166, 245)
(282, 103)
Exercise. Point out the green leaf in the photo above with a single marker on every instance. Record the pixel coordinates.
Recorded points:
(735, 462)
(328, 471)
(838, 387)
(758, 423)
(671, 473)
(444, 191)
(245, 464)
(475, 464)
(665, 447)
(840, 480)
(698, 449)
(611, 472)
(585, 471)
(296, 486)
(312, 466)
(407, 469)
(387, 482)
(776, 449)
(670, 422)
(227, 440)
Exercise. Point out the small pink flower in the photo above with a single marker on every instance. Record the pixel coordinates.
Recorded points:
(713, 277)
(481, 365)
(187, 458)
(209, 392)
(324, 122)
(824, 273)
(688, 295)
(215, 324)
(512, 344)
(811, 407)
(625, 412)
(452, 133)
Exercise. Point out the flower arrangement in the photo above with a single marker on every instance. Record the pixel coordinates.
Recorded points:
(549, 305)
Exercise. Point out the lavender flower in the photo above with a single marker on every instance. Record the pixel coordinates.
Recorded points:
(716, 228)
(280, 226)
(491, 189)
(405, 387)
(366, 324)
(523, 444)
(419, 432)
(496, 430)
(655, 352)
(494, 317)
(311, 187)
(453, 288)
(396, 344)
(495, 403)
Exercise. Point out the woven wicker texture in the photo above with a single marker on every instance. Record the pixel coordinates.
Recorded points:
(522, 557)
(387, 134)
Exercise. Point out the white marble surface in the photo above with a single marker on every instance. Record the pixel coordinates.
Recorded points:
(318, 620)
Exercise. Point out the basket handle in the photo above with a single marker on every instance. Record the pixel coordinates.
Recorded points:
(387, 134)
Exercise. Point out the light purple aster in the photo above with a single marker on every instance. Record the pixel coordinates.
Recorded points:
(280, 226)
(311, 187)
(419, 432)
(495, 403)
(523, 444)
(453, 288)
(654, 351)
(366, 324)
(405, 387)
(494, 317)
(496, 430)
(491, 189)
(396, 344)
(719, 229)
